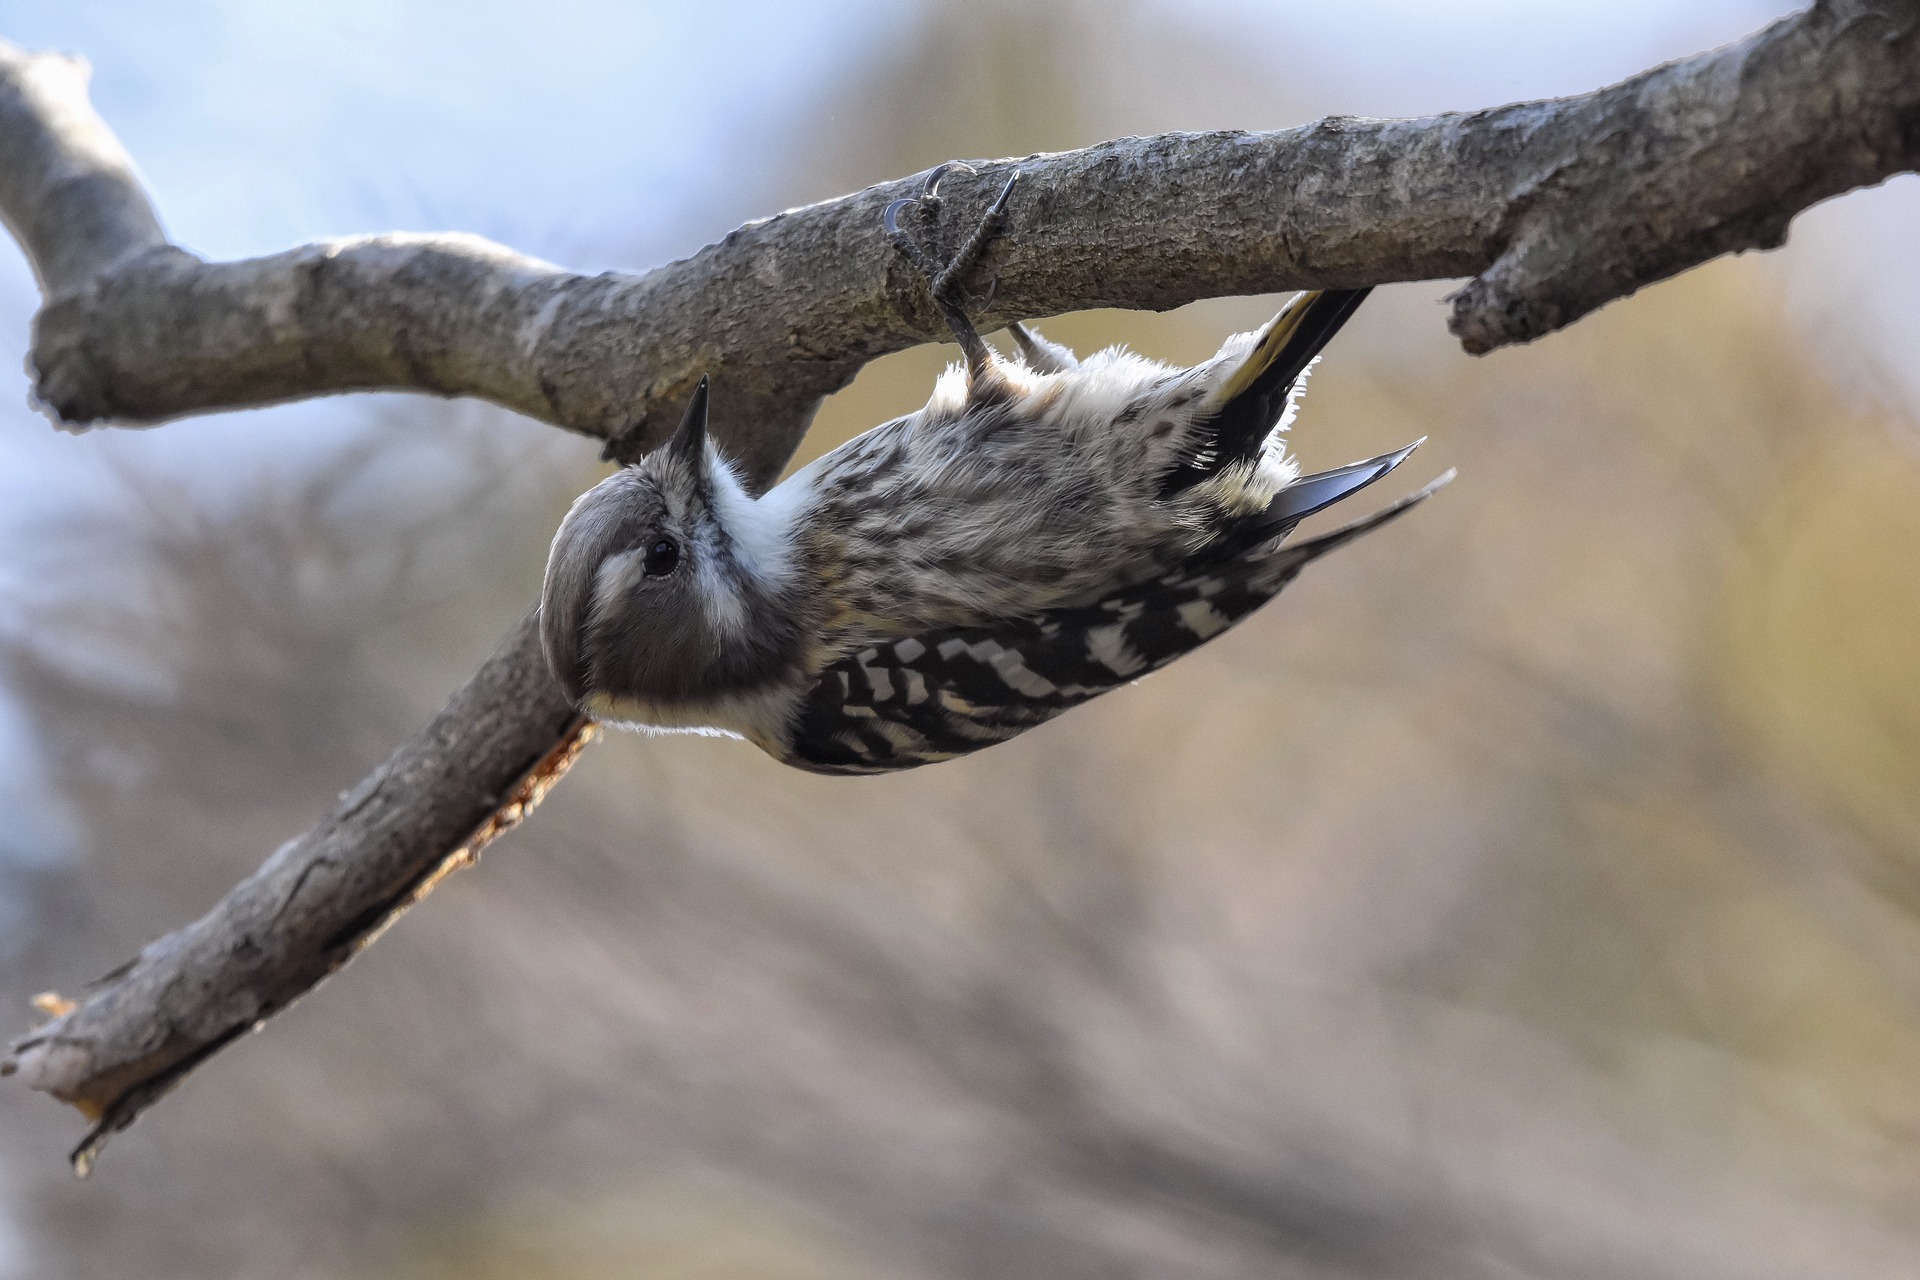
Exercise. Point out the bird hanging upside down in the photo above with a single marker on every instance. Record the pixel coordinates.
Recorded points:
(1044, 530)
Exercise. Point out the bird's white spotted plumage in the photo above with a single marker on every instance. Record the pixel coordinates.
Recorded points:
(1044, 530)
(951, 578)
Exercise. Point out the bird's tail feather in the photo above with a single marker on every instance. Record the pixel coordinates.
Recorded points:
(1292, 556)
(1255, 395)
(1314, 493)
(1291, 341)
(1307, 496)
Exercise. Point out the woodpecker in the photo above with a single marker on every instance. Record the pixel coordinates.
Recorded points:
(1044, 530)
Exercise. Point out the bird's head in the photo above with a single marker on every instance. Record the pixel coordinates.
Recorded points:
(652, 595)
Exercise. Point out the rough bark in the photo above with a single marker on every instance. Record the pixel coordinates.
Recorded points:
(1553, 208)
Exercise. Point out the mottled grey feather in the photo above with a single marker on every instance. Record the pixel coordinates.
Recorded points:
(945, 693)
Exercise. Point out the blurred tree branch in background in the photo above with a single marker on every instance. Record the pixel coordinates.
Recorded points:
(1553, 208)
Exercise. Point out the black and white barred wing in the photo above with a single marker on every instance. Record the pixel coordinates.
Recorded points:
(948, 693)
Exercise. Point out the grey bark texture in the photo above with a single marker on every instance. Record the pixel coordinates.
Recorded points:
(1552, 208)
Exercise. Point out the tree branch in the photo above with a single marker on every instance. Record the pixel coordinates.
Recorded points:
(1554, 208)
(1558, 206)
(480, 767)
(68, 192)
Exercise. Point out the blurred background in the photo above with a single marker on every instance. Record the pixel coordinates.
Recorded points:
(1534, 890)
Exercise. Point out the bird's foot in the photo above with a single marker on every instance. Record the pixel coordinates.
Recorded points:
(944, 280)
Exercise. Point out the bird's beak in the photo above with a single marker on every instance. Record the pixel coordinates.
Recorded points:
(689, 443)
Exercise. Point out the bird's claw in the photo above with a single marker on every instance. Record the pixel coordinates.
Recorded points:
(944, 281)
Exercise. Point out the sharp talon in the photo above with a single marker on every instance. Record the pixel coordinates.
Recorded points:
(968, 255)
(944, 279)
(999, 206)
(930, 189)
(891, 218)
(929, 200)
(981, 301)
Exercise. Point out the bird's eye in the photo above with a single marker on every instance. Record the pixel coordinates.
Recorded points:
(663, 557)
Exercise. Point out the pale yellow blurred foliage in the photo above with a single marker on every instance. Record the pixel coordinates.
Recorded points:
(698, 1230)
(1823, 639)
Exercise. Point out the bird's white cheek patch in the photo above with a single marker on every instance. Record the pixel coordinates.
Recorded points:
(720, 599)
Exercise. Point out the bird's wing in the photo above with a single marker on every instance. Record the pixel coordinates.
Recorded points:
(947, 693)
